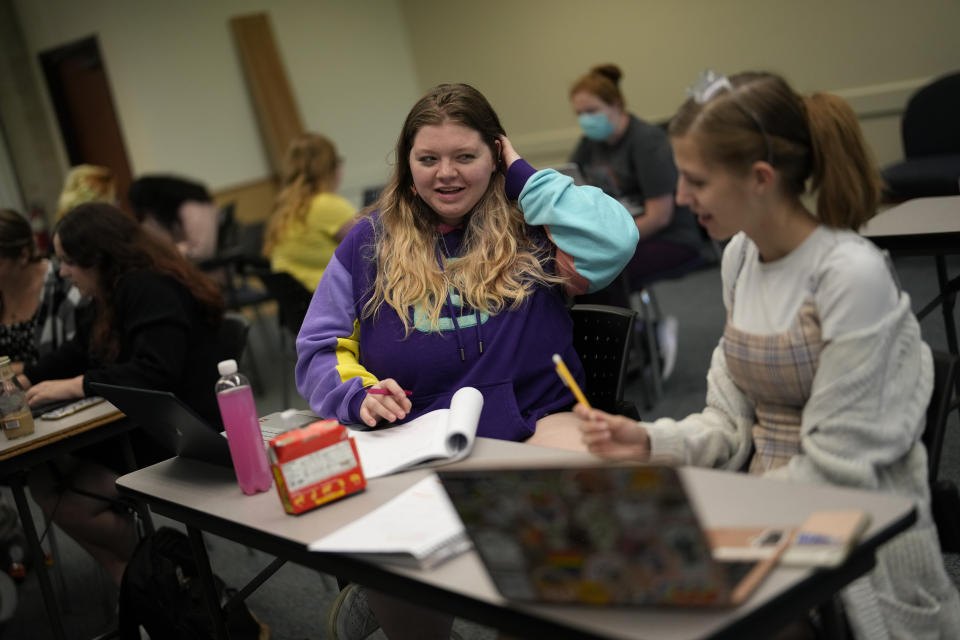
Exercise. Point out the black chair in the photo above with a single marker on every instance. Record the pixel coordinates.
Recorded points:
(238, 254)
(930, 131)
(232, 338)
(944, 496)
(227, 226)
(601, 337)
(371, 195)
(293, 300)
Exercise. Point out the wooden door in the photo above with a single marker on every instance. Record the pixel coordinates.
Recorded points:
(80, 92)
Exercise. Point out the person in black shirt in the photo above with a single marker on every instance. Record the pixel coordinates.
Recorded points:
(155, 326)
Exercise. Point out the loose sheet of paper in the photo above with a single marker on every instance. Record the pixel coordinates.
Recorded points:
(419, 522)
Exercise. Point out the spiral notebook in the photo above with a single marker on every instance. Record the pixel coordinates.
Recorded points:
(440, 436)
(418, 528)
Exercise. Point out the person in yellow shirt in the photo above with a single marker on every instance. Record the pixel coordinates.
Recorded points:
(309, 220)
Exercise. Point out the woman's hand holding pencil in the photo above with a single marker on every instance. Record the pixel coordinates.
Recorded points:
(386, 400)
(610, 436)
(606, 435)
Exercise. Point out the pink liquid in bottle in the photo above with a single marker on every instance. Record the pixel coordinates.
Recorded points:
(239, 415)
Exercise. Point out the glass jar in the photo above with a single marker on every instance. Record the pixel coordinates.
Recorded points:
(15, 417)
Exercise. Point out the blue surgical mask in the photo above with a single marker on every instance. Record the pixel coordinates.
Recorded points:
(596, 126)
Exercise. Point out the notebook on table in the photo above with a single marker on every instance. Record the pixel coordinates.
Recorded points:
(606, 535)
(417, 528)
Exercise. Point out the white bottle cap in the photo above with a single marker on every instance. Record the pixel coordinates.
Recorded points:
(227, 367)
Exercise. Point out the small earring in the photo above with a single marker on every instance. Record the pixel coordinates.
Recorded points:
(413, 190)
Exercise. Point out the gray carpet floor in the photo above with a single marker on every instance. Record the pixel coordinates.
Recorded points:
(294, 602)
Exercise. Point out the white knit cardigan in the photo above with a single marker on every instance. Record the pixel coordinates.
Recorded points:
(860, 428)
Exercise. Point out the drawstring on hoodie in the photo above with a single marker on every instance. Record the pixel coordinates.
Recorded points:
(456, 328)
(454, 317)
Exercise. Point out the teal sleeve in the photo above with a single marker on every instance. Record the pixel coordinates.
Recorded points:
(584, 223)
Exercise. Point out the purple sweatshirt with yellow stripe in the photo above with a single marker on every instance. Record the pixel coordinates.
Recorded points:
(507, 356)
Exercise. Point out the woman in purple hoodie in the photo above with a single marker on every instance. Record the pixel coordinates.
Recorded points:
(459, 279)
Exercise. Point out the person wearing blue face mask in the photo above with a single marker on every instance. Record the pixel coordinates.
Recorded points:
(631, 160)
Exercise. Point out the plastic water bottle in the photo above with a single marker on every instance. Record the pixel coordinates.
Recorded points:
(15, 417)
(239, 414)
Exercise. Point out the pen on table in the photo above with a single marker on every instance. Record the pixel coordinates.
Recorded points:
(568, 380)
(816, 538)
(386, 392)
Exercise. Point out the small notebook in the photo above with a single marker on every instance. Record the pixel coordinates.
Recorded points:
(443, 435)
(732, 544)
(826, 537)
(418, 528)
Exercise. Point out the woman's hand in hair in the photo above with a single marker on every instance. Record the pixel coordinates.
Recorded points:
(54, 390)
(509, 154)
(610, 436)
(385, 400)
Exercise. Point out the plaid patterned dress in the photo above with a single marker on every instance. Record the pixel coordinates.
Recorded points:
(776, 372)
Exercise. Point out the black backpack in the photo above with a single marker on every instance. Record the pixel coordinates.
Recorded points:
(161, 590)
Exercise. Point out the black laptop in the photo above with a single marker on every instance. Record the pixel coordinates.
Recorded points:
(169, 421)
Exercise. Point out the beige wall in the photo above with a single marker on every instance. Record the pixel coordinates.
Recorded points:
(525, 55)
(27, 139)
(179, 89)
(357, 66)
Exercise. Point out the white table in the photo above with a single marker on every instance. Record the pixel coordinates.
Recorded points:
(924, 227)
(206, 497)
(50, 439)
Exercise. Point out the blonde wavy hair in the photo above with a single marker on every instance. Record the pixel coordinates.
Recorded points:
(309, 168)
(502, 259)
(86, 183)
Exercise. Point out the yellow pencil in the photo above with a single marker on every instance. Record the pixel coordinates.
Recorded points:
(568, 380)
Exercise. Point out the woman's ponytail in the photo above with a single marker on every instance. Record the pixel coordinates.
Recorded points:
(843, 172)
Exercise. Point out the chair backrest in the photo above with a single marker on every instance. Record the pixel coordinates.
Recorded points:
(930, 123)
(233, 335)
(293, 299)
(945, 369)
(372, 194)
(250, 240)
(601, 337)
(226, 226)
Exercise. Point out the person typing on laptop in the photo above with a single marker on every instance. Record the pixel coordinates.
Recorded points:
(38, 313)
(155, 324)
(821, 374)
